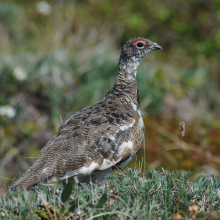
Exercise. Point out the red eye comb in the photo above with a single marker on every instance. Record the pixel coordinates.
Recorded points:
(140, 41)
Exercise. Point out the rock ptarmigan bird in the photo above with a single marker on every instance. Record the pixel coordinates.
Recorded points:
(91, 142)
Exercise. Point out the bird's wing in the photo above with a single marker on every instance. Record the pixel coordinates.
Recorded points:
(101, 139)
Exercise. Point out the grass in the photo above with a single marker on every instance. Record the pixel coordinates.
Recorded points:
(154, 195)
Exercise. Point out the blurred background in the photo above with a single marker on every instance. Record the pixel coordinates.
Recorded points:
(59, 56)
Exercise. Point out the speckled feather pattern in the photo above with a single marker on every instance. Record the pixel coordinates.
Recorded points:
(89, 143)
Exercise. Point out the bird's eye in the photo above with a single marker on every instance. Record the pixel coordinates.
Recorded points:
(140, 45)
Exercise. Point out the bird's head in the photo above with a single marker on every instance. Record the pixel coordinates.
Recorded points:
(138, 47)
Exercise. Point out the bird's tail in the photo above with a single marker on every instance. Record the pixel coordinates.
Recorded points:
(30, 178)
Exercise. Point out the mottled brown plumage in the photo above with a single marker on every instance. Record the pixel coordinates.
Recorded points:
(91, 141)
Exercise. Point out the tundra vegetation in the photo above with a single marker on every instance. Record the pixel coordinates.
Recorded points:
(60, 56)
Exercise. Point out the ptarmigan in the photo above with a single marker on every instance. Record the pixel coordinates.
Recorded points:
(92, 141)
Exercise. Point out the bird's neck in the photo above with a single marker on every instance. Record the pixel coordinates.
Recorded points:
(126, 83)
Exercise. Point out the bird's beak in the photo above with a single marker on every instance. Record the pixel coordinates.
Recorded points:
(156, 46)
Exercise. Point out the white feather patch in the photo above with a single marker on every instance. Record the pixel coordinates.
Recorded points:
(125, 127)
(125, 145)
(89, 170)
(106, 164)
(134, 106)
(112, 138)
(141, 122)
